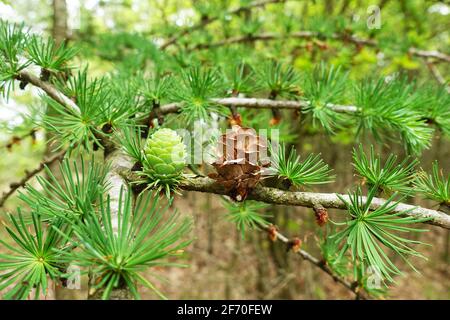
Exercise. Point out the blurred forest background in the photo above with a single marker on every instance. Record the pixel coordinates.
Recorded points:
(117, 35)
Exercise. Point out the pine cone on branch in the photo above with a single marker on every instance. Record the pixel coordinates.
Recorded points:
(242, 157)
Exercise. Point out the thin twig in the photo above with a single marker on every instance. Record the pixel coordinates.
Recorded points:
(318, 263)
(437, 75)
(209, 20)
(434, 54)
(277, 36)
(30, 174)
(17, 139)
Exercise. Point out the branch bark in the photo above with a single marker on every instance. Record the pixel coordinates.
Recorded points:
(279, 104)
(253, 103)
(310, 199)
(50, 90)
(434, 54)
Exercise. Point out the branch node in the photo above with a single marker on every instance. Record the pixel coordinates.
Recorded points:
(294, 245)
(321, 214)
(272, 231)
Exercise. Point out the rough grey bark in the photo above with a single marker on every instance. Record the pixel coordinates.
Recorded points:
(430, 54)
(279, 104)
(310, 199)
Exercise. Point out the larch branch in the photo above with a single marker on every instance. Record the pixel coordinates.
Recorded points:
(311, 199)
(254, 103)
(49, 89)
(280, 104)
(304, 199)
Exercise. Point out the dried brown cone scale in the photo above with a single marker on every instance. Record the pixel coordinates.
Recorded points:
(242, 157)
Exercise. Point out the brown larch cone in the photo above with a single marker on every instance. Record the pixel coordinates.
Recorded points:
(242, 156)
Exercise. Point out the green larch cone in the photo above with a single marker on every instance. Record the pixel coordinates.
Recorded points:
(165, 159)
